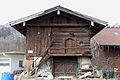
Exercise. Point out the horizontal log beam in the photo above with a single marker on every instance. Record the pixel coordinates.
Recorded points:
(72, 48)
(64, 25)
(82, 55)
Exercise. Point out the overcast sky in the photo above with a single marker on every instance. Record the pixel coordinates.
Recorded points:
(107, 10)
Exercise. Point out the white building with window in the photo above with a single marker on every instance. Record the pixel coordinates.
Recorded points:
(11, 61)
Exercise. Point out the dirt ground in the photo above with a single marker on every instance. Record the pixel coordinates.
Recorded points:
(97, 79)
(72, 79)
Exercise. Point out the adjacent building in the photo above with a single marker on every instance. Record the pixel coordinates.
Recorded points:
(106, 49)
(12, 61)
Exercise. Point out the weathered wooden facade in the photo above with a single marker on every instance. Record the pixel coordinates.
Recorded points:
(106, 49)
(60, 35)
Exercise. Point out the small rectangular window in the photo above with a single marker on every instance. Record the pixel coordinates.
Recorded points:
(20, 63)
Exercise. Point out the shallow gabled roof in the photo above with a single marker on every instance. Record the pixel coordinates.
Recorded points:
(108, 36)
(55, 9)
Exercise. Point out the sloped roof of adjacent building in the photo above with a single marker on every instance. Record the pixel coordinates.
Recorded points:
(55, 9)
(108, 36)
(13, 53)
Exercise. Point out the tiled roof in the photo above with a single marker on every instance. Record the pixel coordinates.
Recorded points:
(108, 36)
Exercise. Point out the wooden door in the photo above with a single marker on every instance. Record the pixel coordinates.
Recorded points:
(69, 45)
(65, 66)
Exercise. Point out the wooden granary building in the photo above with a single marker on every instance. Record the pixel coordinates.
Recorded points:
(61, 37)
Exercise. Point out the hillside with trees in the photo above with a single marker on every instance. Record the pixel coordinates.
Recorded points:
(11, 40)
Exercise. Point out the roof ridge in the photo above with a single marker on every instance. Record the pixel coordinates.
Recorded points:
(41, 13)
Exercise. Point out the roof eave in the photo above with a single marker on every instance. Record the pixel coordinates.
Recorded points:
(109, 45)
(13, 23)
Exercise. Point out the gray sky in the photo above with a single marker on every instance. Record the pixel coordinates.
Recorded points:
(107, 10)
